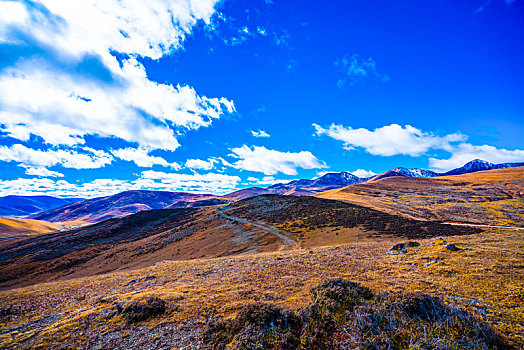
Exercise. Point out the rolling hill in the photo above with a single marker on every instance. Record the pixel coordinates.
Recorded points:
(125, 203)
(493, 197)
(258, 224)
(11, 228)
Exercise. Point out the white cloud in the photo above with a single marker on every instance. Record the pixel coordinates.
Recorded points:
(363, 173)
(271, 162)
(44, 172)
(140, 156)
(259, 133)
(210, 182)
(390, 140)
(201, 164)
(357, 70)
(39, 159)
(262, 31)
(466, 152)
(266, 180)
(394, 139)
(149, 180)
(77, 87)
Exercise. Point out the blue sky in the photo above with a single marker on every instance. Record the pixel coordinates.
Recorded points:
(97, 97)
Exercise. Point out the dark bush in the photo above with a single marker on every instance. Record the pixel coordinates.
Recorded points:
(137, 311)
(256, 326)
(347, 315)
(338, 293)
(417, 305)
(415, 321)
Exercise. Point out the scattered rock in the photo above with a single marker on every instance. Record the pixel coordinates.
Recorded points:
(399, 248)
(452, 247)
(436, 261)
(413, 244)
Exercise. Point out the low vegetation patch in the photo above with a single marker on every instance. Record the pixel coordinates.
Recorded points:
(347, 315)
(137, 311)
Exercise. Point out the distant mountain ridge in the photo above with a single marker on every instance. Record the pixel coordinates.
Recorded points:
(480, 165)
(119, 205)
(130, 202)
(20, 206)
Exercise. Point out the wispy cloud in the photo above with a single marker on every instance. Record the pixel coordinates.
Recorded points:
(142, 158)
(259, 133)
(487, 3)
(271, 162)
(148, 180)
(357, 70)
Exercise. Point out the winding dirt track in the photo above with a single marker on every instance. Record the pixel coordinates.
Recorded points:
(484, 226)
(288, 242)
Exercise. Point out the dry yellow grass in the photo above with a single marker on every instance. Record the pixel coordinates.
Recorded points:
(485, 277)
(15, 227)
(486, 197)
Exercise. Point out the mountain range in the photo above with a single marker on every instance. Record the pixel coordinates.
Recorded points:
(129, 202)
(20, 206)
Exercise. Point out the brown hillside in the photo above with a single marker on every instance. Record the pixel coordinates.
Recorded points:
(482, 278)
(487, 197)
(259, 224)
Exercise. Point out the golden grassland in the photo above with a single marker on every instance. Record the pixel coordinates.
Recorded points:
(12, 227)
(493, 197)
(484, 277)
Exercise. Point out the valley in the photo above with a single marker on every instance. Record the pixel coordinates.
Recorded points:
(205, 263)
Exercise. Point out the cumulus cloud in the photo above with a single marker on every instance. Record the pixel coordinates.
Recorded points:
(363, 173)
(140, 156)
(259, 133)
(465, 152)
(37, 160)
(76, 86)
(271, 162)
(357, 70)
(390, 140)
(148, 180)
(201, 164)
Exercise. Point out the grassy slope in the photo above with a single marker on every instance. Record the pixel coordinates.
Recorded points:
(18, 227)
(145, 238)
(486, 197)
(484, 277)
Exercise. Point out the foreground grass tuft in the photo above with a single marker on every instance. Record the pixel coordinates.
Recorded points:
(347, 315)
(137, 311)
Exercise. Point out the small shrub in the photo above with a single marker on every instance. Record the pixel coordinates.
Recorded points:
(137, 311)
(338, 294)
(256, 326)
(416, 321)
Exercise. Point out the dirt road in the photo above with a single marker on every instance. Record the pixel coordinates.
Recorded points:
(288, 242)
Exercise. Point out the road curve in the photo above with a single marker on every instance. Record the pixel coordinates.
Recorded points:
(290, 243)
(483, 225)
